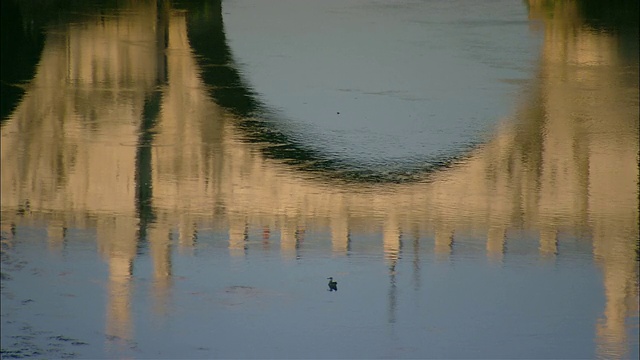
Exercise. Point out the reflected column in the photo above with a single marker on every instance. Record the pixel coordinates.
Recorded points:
(548, 241)
(159, 238)
(238, 236)
(56, 233)
(116, 238)
(443, 242)
(188, 234)
(340, 229)
(495, 242)
(289, 238)
(392, 244)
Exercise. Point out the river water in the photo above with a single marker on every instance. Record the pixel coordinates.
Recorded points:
(179, 179)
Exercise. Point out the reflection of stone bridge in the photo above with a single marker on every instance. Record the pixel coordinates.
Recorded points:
(118, 133)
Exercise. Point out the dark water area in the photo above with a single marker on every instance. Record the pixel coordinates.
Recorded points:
(180, 179)
(20, 49)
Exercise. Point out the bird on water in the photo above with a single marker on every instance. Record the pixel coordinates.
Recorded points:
(333, 285)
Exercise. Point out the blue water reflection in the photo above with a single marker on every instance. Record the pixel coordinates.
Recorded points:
(155, 205)
(378, 83)
(267, 303)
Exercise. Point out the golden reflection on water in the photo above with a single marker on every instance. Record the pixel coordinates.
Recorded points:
(71, 158)
(591, 143)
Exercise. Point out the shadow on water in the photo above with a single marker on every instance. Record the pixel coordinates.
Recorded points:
(22, 40)
(619, 17)
(150, 113)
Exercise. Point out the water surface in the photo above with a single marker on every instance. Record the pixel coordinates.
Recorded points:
(177, 181)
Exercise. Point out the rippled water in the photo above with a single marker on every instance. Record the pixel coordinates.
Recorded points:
(180, 179)
(375, 83)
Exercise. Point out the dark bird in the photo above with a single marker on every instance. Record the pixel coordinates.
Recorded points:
(333, 285)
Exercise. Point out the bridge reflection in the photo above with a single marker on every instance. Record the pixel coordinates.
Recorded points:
(128, 135)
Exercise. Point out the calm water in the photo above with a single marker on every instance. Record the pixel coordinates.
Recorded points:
(179, 179)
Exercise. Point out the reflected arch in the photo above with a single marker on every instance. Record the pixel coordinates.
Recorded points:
(228, 88)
